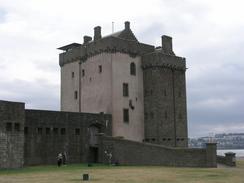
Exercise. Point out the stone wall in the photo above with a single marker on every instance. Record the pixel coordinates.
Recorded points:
(125, 152)
(12, 119)
(48, 133)
(229, 159)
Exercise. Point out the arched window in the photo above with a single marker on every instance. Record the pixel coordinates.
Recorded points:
(133, 68)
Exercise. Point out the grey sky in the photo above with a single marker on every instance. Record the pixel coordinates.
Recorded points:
(208, 33)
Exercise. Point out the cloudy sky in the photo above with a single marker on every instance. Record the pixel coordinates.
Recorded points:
(209, 33)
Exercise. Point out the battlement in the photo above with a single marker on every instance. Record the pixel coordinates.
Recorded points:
(159, 59)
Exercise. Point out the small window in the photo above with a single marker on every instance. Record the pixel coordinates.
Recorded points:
(169, 139)
(26, 130)
(180, 116)
(125, 90)
(179, 94)
(17, 127)
(100, 69)
(126, 115)
(145, 115)
(164, 139)
(55, 131)
(8, 127)
(63, 131)
(152, 115)
(145, 92)
(83, 72)
(165, 115)
(182, 139)
(48, 131)
(165, 93)
(77, 131)
(151, 92)
(133, 68)
(73, 75)
(76, 95)
(39, 131)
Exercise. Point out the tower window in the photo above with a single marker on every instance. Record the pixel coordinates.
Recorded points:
(83, 72)
(165, 93)
(179, 94)
(100, 69)
(76, 95)
(55, 131)
(72, 74)
(77, 131)
(133, 68)
(63, 131)
(39, 131)
(145, 92)
(125, 90)
(26, 130)
(180, 116)
(145, 115)
(126, 115)
(16, 126)
(165, 115)
(48, 131)
(8, 127)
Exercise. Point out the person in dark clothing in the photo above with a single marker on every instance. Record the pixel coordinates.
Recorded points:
(60, 159)
(64, 158)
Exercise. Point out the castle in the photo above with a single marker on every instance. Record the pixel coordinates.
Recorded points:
(118, 96)
(143, 87)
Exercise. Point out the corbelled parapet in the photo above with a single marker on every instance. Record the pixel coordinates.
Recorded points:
(159, 59)
(105, 45)
(123, 41)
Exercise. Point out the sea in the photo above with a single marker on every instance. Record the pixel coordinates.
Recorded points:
(239, 152)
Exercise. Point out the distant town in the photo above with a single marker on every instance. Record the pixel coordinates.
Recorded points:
(223, 140)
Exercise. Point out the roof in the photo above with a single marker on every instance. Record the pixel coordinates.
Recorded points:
(124, 34)
(66, 47)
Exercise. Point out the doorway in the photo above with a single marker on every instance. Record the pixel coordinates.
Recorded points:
(93, 155)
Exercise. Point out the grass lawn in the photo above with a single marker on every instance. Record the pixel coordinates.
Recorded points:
(124, 174)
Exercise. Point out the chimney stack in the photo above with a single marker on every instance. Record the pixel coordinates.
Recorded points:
(127, 25)
(87, 39)
(97, 33)
(167, 44)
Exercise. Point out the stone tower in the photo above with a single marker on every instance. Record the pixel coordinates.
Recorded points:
(165, 96)
(118, 75)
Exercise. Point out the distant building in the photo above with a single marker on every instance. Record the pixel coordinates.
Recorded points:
(223, 140)
(143, 87)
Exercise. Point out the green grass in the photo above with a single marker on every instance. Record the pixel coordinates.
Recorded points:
(123, 174)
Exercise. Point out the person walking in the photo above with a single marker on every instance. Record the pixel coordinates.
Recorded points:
(64, 156)
(60, 159)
